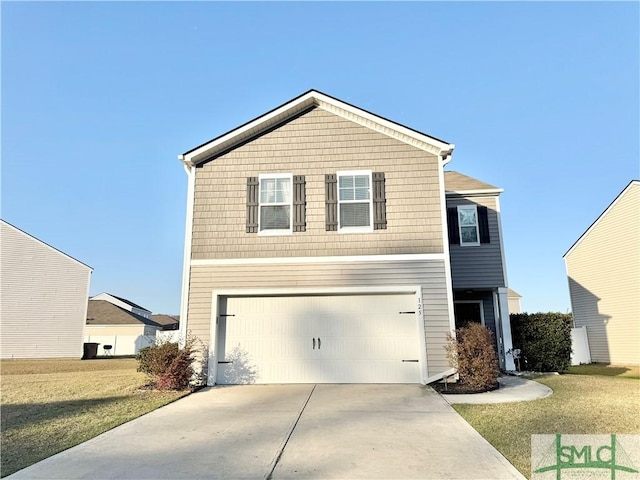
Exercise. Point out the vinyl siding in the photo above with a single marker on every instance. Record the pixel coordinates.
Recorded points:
(95, 330)
(478, 266)
(314, 144)
(44, 299)
(604, 282)
(429, 274)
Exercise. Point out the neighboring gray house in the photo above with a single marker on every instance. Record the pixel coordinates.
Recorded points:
(44, 298)
(603, 269)
(326, 244)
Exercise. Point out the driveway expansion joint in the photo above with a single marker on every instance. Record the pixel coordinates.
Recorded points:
(294, 424)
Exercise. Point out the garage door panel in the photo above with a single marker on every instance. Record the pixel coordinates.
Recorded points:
(319, 339)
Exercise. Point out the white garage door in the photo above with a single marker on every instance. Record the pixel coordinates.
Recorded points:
(319, 339)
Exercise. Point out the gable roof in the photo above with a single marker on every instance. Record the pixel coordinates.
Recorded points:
(458, 184)
(102, 312)
(305, 102)
(631, 184)
(513, 294)
(28, 235)
(124, 300)
(166, 320)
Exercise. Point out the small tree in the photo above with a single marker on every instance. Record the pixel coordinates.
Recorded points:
(168, 366)
(472, 354)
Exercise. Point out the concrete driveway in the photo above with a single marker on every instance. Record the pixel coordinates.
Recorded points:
(288, 431)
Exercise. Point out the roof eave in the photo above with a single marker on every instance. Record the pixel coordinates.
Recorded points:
(304, 102)
(474, 193)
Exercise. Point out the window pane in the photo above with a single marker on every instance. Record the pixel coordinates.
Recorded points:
(275, 190)
(362, 193)
(346, 181)
(354, 215)
(346, 194)
(467, 217)
(361, 181)
(469, 234)
(275, 218)
(267, 190)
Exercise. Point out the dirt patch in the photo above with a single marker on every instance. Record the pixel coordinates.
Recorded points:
(460, 388)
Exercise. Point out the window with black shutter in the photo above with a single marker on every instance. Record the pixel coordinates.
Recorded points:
(468, 225)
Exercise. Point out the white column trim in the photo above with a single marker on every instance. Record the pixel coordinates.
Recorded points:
(505, 327)
(186, 261)
(445, 245)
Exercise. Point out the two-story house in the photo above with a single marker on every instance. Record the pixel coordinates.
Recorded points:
(326, 244)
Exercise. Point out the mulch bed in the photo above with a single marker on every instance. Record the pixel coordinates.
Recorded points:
(460, 388)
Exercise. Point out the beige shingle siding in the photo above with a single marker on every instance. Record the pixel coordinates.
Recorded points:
(314, 144)
(604, 282)
(44, 299)
(429, 274)
(478, 266)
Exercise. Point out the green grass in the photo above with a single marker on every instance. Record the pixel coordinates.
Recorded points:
(580, 404)
(70, 401)
(605, 369)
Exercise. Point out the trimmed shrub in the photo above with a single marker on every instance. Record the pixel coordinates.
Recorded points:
(168, 366)
(472, 354)
(544, 340)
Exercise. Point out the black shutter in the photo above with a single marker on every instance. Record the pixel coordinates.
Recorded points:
(299, 204)
(331, 202)
(379, 202)
(252, 204)
(452, 221)
(483, 224)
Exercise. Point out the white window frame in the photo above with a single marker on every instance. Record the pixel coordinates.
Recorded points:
(283, 231)
(477, 225)
(360, 229)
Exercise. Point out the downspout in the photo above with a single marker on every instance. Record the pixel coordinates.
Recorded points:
(190, 170)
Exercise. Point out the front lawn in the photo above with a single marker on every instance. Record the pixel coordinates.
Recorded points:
(50, 405)
(580, 404)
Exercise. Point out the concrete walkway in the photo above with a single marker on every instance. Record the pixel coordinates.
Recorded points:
(286, 432)
(512, 389)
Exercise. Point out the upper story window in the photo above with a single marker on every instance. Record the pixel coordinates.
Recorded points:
(468, 225)
(354, 201)
(275, 204)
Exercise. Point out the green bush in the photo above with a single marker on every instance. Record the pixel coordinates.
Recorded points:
(472, 354)
(544, 340)
(168, 366)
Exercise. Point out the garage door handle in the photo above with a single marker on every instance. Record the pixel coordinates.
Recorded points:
(314, 343)
(319, 343)
(412, 361)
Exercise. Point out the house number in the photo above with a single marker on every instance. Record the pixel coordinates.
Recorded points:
(419, 306)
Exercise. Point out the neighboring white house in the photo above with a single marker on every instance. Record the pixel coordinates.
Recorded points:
(123, 303)
(43, 298)
(125, 331)
(603, 269)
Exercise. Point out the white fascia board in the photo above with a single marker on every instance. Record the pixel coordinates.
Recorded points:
(602, 215)
(310, 99)
(474, 193)
(338, 259)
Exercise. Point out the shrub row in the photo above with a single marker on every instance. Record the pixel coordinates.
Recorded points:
(544, 340)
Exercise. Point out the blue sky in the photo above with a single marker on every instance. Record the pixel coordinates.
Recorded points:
(98, 99)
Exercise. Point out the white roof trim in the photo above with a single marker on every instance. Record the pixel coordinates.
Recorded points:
(474, 192)
(602, 215)
(304, 102)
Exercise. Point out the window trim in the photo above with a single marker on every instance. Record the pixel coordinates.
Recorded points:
(480, 302)
(359, 229)
(477, 225)
(282, 231)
